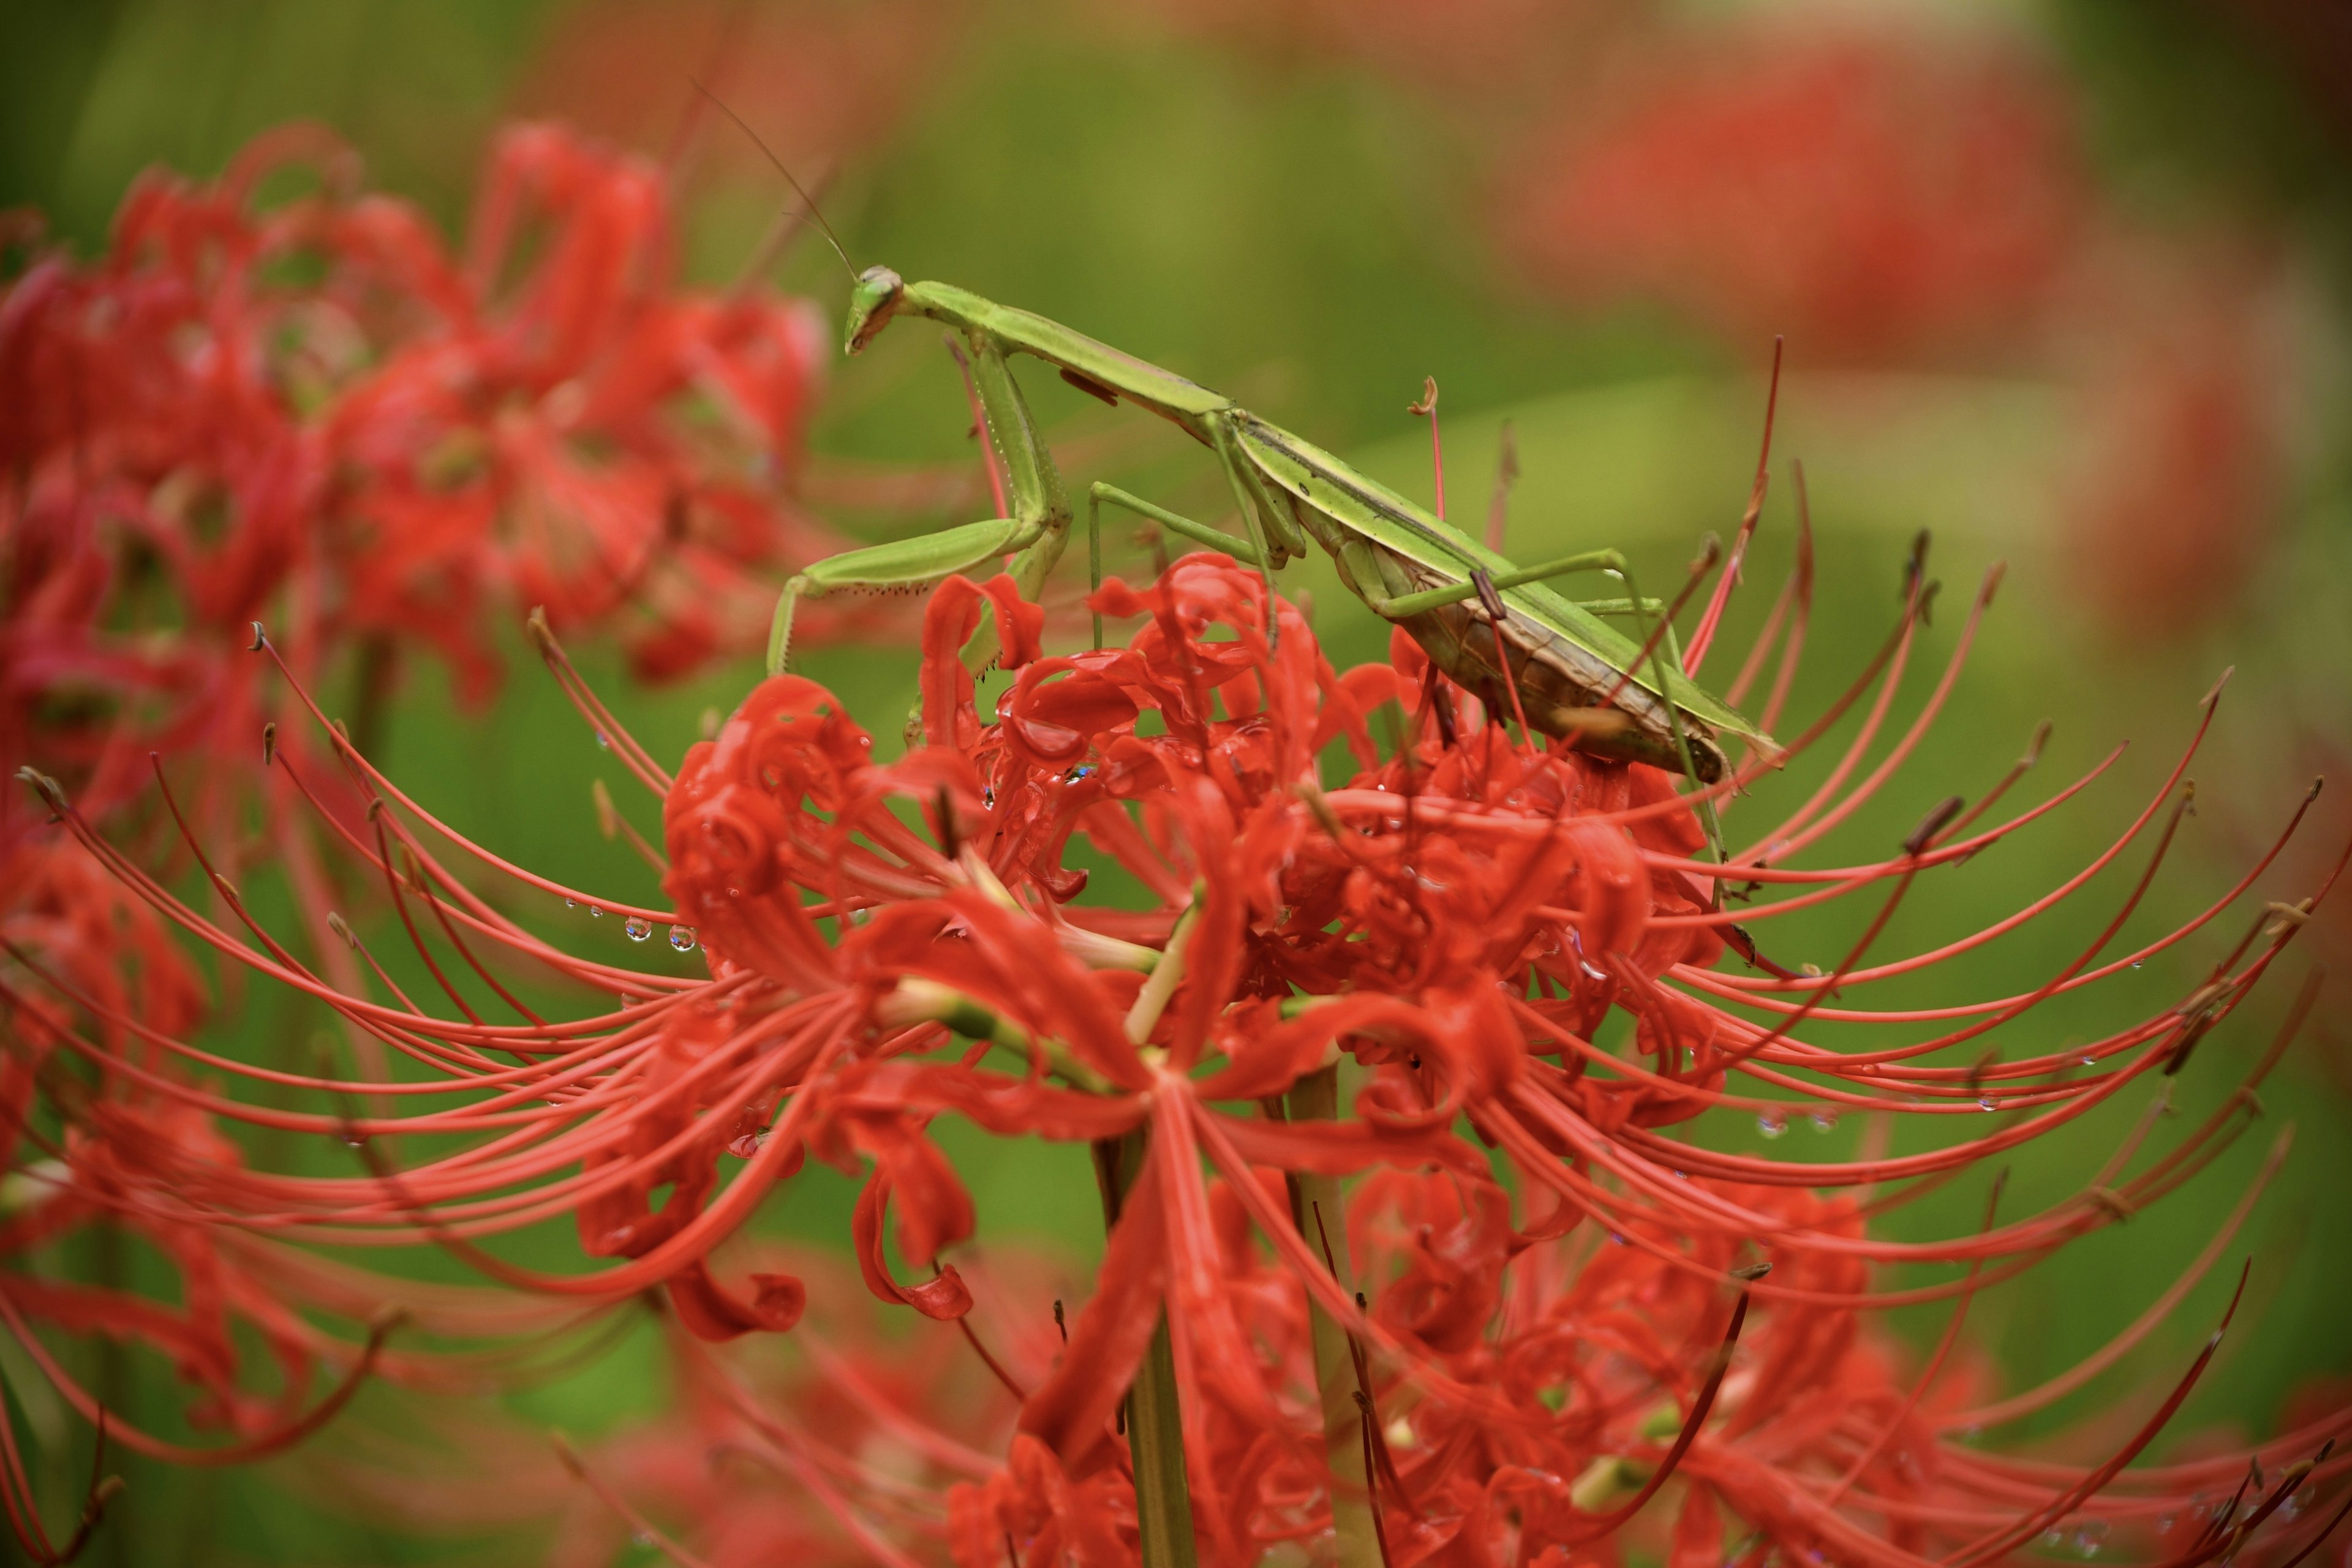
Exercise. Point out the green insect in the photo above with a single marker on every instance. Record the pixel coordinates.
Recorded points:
(1494, 627)
(1574, 674)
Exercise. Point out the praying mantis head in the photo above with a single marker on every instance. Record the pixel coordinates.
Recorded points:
(872, 302)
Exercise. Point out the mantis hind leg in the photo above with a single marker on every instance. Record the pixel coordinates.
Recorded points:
(903, 563)
(1458, 592)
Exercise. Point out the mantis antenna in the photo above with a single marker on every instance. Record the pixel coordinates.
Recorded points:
(798, 189)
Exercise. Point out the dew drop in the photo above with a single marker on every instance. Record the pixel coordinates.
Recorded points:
(2090, 1535)
(682, 938)
(570, 905)
(2136, 964)
(1986, 1102)
(988, 800)
(595, 912)
(2052, 1536)
(1615, 1239)
(1083, 770)
(1771, 1124)
(637, 927)
(1824, 1121)
(2090, 1062)
(604, 742)
(2164, 1525)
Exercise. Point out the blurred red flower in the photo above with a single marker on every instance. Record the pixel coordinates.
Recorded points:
(1874, 194)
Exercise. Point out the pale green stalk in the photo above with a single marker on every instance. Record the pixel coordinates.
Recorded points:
(1322, 1220)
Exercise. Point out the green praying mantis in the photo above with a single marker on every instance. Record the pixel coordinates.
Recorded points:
(1492, 627)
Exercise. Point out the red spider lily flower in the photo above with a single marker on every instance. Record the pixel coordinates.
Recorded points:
(1884, 193)
(311, 413)
(1906, 197)
(283, 408)
(1383, 1337)
(588, 436)
(2187, 435)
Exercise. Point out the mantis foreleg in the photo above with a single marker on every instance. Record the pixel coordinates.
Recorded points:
(1037, 529)
(902, 564)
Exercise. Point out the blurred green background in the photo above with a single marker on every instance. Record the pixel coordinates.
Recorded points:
(2065, 281)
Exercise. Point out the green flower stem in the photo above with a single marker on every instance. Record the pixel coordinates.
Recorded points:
(1322, 1220)
(1155, 1425)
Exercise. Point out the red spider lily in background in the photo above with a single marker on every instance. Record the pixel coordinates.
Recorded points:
(305, 407)
(1896, 193)
(2188, 448)
(586, 436)
(1904, 198)
(1327, 1317)
(311, 411)
(1874, 195)
(307, 410)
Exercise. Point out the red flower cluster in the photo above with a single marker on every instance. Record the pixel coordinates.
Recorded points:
(1874, 195)
(311, 412)
(278, 396)
(1409, 1259)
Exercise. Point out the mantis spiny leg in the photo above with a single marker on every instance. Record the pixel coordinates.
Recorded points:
(1407, 605)
(914, 562)
(1258, 525)
(1658, 643)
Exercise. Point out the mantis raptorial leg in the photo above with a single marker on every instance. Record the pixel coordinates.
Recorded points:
(1035, 535)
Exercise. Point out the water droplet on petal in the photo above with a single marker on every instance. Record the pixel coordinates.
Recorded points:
(2090, 1535)
(570, 905)
(1824, 1121)
(2090, 1062)
(1615, 1239)
(1771, 1124)
(595, 912)
(2164, 1526)
(637, 927)
(682, 938)
(1985, 1103)
(2136, 964)
(602, 742)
